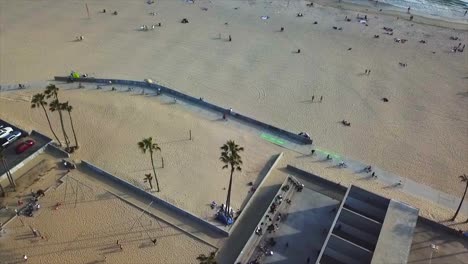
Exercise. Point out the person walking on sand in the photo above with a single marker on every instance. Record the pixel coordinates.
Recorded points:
(230, 39)
(282, 29)
(313, 98)
(465, 13)
(321, 98)
(409, 9)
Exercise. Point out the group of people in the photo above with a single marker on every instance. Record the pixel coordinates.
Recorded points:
(458, 48)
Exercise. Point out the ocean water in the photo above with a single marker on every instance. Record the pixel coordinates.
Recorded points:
(453, 9)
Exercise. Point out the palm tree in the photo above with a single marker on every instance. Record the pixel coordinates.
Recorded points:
(38, 100)
(148, 178)
(67, 107)
(145, 145)
(8, 173)
(56, 106)
(463, 178)
(207, 259)
(231, 158)
(52, 92)
(2, 190)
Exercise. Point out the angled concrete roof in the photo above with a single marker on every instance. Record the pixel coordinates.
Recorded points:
(396, 234)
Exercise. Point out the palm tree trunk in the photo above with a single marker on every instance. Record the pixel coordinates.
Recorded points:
(461, 202)
(9, 176)
(67, 141)
(228, 199)
(73, 129)
(154, 171)
(50, 125)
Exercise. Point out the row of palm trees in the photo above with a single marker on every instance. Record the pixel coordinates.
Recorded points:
(55, 105)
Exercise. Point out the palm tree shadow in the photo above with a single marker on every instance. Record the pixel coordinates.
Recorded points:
(365, 178)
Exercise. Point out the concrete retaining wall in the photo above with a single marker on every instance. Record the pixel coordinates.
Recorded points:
(444, 228)
(153, 198)
(251, 121)
(317, 179)
(33, 155)
(56, 150)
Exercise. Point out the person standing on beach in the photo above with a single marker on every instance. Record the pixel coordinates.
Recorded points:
(313, 97)
(321, 98)
(230, 39)
(466, 11)
(409, 9)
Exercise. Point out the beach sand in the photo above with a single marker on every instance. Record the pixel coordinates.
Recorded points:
(87, 230)
(109, 125)
(421, 133)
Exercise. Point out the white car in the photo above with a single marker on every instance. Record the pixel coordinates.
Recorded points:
(5, 131)
(11, 137)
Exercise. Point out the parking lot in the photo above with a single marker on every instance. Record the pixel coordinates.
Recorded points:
(9, 151)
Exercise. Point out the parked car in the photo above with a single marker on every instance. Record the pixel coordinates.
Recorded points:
(25, 145)
(5, 131)
(10, 138)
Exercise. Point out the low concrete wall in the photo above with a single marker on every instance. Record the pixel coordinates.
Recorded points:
(317, 179)
(56, 150)
(33, 155)
(247, 206)
(155, 199)
(444, 228)
(281, 132)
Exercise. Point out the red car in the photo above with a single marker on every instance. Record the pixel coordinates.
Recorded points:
(25, 145)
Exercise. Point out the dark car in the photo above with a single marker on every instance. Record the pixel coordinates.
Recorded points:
(25, 145)
(68, 164)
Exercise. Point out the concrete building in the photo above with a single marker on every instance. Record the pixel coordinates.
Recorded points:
(312, 220)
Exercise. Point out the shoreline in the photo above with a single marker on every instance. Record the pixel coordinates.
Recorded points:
(419, 18)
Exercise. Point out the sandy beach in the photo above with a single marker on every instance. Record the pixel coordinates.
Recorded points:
(420, 133)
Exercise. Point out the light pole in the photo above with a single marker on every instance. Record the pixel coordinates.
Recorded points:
(434, 248)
